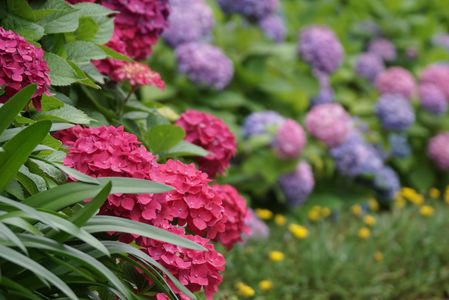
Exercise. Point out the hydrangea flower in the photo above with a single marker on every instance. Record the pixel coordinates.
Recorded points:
(251, 9)
(211, 133)
(290, 139)
(400, 147)
(441, 40)
(320, 48)
(437, 75)
(369, 65)
(258, 230)
(274, 27)
(432, 99)
(259, 123)
(234, 215)
(395, 112)
(382, 48)
(137, 74)
(196, 270)
(205, 65)
(298, 184)
(189, 21)
(21, 64)
(438, 150)
(386, 183)
(396, 80)
(329, 123)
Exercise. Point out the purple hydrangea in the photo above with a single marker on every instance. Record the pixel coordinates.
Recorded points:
(259, 123)
(438, 150)
(437, 74)
(369, 66)
(432, 99)
(395, 112)
(251, 9)
(258, 229)
(326, 93)
(189, 21)
(290, 140)
(399, 145)
(396, 80)
(441, 40)
(320, 48)
(386, 183)
(298, 184)
(274, 28)
(383, 48)
(205, 64)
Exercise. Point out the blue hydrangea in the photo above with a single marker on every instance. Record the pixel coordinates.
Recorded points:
(260, 122)
(274, 28)
(298, 184)
(386, 183)
(399, 145)
(251, 9)
(369, 66)
(395, 112)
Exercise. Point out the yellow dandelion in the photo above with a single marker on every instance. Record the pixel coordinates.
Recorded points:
(264, 214)
(314, 214)
(434, 193)
(276, 256)
(245, 290)
(426, 211)
(373, 204)
(325, 212)
(364, 233)
(280, 220)
(265, 285)
(369, 220)
(298, 231)
(378, 256)
(356, 210)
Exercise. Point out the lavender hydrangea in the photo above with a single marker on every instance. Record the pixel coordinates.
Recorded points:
(396, 80)
(395, 112)
(189, 21)
(432, 99)
(320, 48)
(274, 28)
(290, 140)
(438, 150)
(399, 145)
(368, 66)
(251, 9)
(205, 65)
(386, 183)
(259, 123)
(258, 229)
(382, 48)
(298, 184)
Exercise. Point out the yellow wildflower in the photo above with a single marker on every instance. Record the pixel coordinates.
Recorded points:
(265, 285)
(378, 256)
(245, 290)
(426, 211)
(325, 212)
(369, 220)
(264, 214)
(276, 256)
(399, 202)
(280, 220)
(314, 214)
(412, 196)
(446, 195)
(434, 193)
(299, 232)
(364, 233)
(356, 210)
(373, 204)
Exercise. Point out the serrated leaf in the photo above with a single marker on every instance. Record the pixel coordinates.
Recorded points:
(82, 52)
(61, 73)
(114, 54)
(93, 10)
(161, 138)
(29, 30)
(61, 22)
(184, 148)
(87, 30)
(67, 113)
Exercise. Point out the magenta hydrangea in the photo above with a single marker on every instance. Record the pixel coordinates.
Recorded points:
(438, 150)
(205, 65)
(21, 64)
(290, 140)
(368, 66)
(212, 134)
(251, 9)
(274, 27)
(432, 99)
(329, 123)
(382, 48)
(437, 75)
(320, 47)
(298, 184)
(396, 80)
(189, 21)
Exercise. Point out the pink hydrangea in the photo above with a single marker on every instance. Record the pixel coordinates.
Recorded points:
(329, 123)
(290, 139)
(212, 134)
(438, 150)
(79, 1)
(193, 202)
(437, 75)
(137, 74)
(235, 212)
(396, 80)
(21, 64)
(196, 270)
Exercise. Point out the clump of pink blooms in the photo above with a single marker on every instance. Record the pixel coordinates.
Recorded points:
(290, 140)
(438, 75)
(21, 64)
(137, 75)
(211, 133)
(329, 123)
(396, 80)
(438, 150)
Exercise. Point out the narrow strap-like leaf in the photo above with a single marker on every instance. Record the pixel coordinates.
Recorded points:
(10, 110)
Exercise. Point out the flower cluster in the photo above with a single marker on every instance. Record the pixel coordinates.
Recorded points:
(329, 123)
(432, 98)
(369, 65)
(205, 64)
(438, 150)
(189, 21)
(386, 183)
(382, 48)
(399, 145)
(320, 48)
(258, 230)
(137, 75)
(438, 75)
(259, 123)
(21, 64)
(251, 9)
(396, 80)
(212, 134)
(298, 184)
(395, 112)
(274, 27)
(290, 139)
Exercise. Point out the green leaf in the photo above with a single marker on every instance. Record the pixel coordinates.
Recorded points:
(40, 271)
(114, 54)
(61, 73)
(123, 185)
(87, 30)
(49, 103)
(21, 8)
(93, 10)
(15, 104)
(21, 290)
(61, 22)
(31, 182)
(19, 148)
(67, 113)
(29, 30)
(11, 236)
(184, 148)
(163, 137)
(82, 52)
(77, 175)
